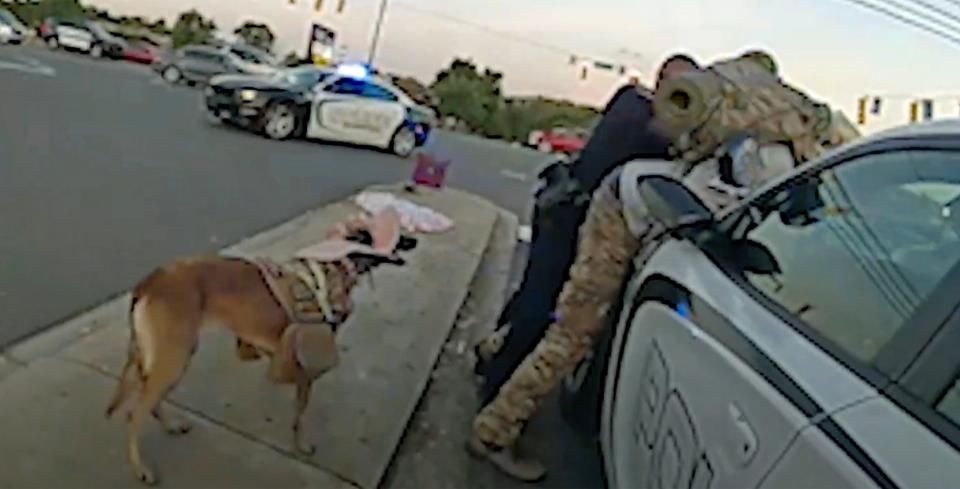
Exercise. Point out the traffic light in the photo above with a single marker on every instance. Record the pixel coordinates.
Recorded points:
(583, 73)
(875, 108)
(927, 109)
(341, 6)
(914, 111)
(317, 5)
(862, 111)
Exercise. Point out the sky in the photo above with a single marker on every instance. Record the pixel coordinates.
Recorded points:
(831, 49)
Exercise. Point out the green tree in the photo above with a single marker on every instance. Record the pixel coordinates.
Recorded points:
(256, 34)
(192, 28)
(61, 9)
(159, 26)
(469, 94)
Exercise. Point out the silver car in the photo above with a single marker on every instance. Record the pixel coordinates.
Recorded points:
(198, 64)
(808, 339)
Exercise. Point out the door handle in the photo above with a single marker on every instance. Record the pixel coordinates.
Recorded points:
(746, 438)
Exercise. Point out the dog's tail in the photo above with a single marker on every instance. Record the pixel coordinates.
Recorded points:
(133, 369)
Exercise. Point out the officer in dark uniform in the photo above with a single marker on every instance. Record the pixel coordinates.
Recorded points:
(623, 134)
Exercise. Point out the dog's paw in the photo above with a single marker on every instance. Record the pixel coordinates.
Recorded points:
(146, 476)
(178, 428)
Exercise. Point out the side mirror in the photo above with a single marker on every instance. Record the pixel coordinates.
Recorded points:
(802, 205)
(673, 204)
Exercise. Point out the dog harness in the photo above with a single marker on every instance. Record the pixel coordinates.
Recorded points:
(301, 287)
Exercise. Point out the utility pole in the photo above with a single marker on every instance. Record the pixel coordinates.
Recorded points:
(376, 32)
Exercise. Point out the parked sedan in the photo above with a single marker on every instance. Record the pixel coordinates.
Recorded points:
(67, 34)
(198, 64)
(346, 105)
(105, 44)
(807, 338)
(141, 52)
(12, 31)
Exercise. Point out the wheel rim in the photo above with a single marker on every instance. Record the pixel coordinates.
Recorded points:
(280, 123)
(96, 51)
(52, 42)
(404, 143)
(171, 74)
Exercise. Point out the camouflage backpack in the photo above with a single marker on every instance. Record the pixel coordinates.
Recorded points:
(701, 110)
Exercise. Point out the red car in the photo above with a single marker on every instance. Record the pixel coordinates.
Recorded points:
(142, 52)
(559, 140)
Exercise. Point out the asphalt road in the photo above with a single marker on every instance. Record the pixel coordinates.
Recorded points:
(107, 172)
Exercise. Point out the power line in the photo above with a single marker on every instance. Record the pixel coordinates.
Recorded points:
(907, 20)
(920, 13)
(498, 32)
(940, 10)
(481, 27)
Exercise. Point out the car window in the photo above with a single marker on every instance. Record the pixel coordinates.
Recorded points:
(861, 245)
(303, 77)
(372, 90)
(347, 86)
(949, 406)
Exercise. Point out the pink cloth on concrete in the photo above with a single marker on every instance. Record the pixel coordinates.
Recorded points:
(413, 217)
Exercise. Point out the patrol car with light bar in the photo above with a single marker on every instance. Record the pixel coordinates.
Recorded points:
(346, 104)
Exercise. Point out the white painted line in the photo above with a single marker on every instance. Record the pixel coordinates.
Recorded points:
(28, 65)
(513, 175)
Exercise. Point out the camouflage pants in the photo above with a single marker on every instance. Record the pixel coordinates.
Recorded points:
(604, 252)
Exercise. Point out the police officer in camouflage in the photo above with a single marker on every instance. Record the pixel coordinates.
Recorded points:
(734, 126)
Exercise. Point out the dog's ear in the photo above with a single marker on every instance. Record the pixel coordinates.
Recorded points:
(315, 348)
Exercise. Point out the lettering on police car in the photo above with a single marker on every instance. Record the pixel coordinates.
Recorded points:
(671, 454)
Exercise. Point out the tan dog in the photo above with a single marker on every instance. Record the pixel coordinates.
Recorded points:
(260, 302)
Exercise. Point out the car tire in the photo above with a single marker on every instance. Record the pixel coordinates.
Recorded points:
(171, 74)
(403, 142)
(545, 147)
(279, 121)
(53, 43)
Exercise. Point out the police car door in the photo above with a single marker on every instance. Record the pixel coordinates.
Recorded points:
(707, 386)
(345, 110)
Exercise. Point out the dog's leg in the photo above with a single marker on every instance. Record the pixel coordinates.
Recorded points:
(246, 351)
(172, 425)
(128, 378)
(163, 375)
(303, 400)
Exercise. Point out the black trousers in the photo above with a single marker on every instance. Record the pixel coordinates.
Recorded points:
(529, 310)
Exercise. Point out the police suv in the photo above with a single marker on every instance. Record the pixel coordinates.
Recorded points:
(345, 104)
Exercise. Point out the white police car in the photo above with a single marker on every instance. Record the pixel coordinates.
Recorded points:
(345, 104)
(808, 338)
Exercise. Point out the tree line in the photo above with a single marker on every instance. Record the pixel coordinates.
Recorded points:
(474, 97)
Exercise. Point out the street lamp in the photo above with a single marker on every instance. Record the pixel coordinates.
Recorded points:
(376, 32)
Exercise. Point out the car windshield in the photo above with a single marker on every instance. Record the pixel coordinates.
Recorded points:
(252, 55)
(8, 18)
(303, 77)
(97, 29)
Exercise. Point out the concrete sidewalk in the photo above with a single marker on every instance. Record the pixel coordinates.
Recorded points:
(54, 387)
